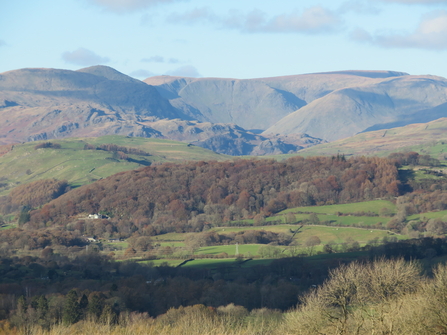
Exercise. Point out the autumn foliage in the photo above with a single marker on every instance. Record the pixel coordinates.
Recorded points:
(35, 194)
(189, 197)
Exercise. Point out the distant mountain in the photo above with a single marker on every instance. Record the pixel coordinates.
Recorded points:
(329, 105)
(41, 104)
(238, 117)
(254, 103)
(376, 105)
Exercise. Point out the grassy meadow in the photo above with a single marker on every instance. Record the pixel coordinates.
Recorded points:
(374, 206)
(24, 164)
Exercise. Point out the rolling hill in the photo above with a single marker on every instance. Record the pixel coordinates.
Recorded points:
(23, 163)
(425, 138)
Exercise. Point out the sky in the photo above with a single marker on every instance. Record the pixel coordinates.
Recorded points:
(225, 38)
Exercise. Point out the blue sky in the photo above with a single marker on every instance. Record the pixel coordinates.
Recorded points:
(228, 38)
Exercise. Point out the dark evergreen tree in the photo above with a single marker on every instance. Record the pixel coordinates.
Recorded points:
(83, 303)
(94, 307)
(71, 312)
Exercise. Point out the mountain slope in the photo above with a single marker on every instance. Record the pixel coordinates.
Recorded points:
(348, 111)
(50, 103)
(255, 103)
(426, 138)
(232, 116)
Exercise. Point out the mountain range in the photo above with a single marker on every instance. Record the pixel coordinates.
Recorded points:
(232, 116)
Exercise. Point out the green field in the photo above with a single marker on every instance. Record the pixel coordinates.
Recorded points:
(327, 214)
(159, 262)
(214, 263)
(367, 206)
(424, 138)
(428, 215)
(326, 234)
(244, 249)
(8, 226)
(24, 164)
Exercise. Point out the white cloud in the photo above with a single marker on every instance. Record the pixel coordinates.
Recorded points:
(154, 59)
(430, 34)
(184, 71)
(160, 59)
(142, 74)
(312, 20)
(84, 57)
(126, 6)
(193, 16)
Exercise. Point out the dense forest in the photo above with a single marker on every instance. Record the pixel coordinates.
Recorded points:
(192, 197)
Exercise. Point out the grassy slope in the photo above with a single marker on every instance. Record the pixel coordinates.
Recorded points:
(366, 206)
(424, 138)
(25, 164)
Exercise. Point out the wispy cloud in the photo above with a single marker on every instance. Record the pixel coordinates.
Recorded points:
(2, 43)
(310, 21)
(194, 16)
(154, 59)
(160, 59)
(185, 71)
(84, 57)
(361, 35)
(141, 73)
(127, 6)
(430, 34)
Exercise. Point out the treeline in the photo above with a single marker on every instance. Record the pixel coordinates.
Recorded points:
(116, 148)
(45, 145)
(416, 203)
(194, 196)
(413, 158)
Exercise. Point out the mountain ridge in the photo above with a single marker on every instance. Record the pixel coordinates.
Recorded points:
(252, 116)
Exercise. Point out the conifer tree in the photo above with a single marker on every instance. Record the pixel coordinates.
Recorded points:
(71, 312)
(94, 307)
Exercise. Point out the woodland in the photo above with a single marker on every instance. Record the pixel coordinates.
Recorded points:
(55, 280)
